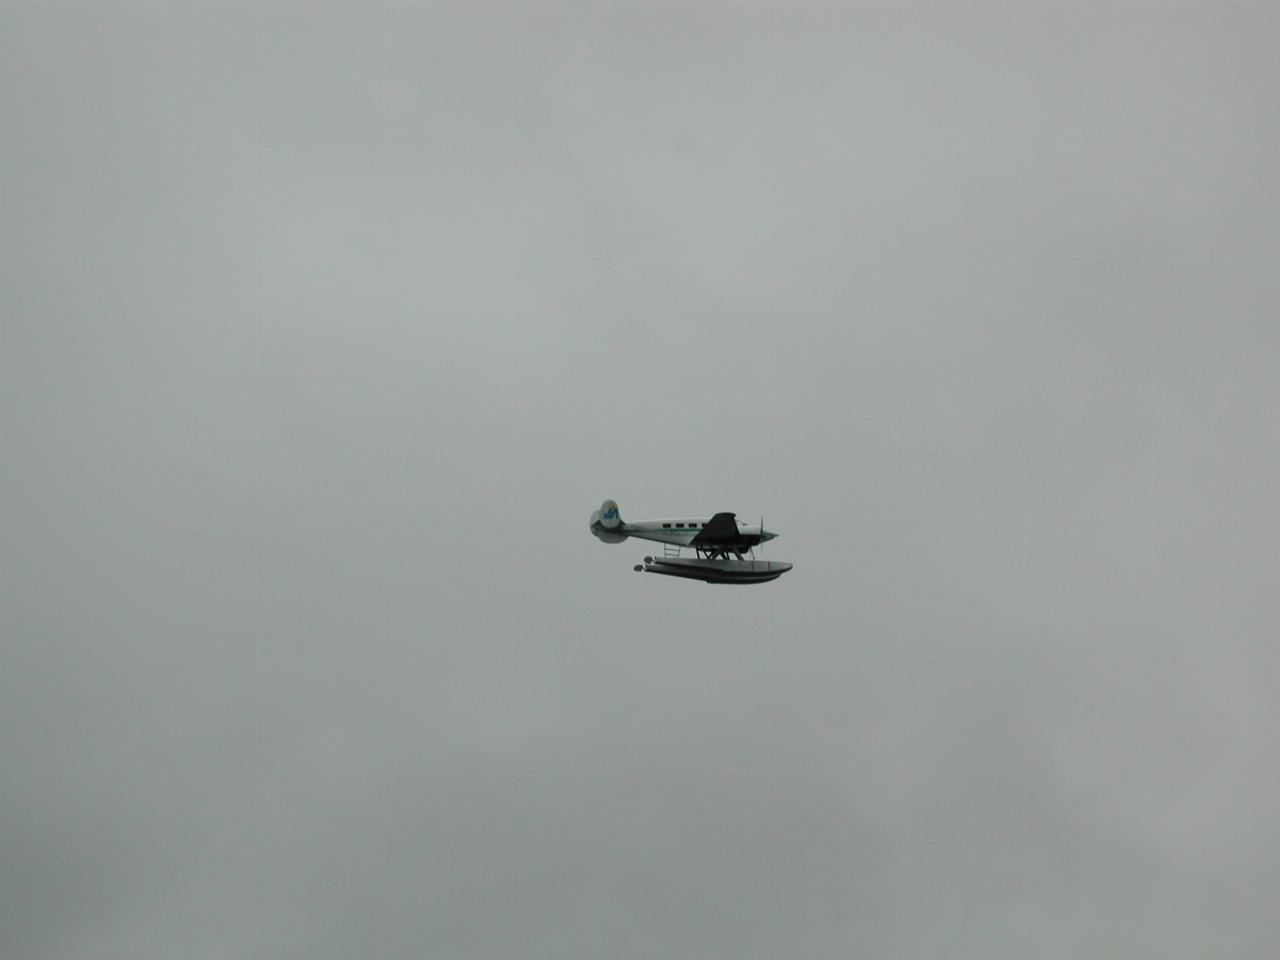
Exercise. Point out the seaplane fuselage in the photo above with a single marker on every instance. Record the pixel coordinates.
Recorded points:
(682, 531)
(720, 529)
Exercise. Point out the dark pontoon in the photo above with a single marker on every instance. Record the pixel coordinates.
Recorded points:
(715, 571)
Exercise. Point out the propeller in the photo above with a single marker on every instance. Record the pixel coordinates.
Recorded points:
(762, 533)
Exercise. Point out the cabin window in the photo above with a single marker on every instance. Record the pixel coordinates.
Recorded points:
(694, 525)
(666, 524)
(679, 524)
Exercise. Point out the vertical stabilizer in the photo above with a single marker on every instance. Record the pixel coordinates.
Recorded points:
(606, 523)
(610, 518)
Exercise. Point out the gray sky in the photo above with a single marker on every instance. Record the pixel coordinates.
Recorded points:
(325, 328)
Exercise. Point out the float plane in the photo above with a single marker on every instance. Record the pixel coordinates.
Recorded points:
(714, 539)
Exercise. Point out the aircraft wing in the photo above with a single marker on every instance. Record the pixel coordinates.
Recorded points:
(720, 529)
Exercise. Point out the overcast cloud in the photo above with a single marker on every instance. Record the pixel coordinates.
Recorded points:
(326, 327)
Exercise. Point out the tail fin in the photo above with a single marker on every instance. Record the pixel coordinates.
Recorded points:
(610, 518)
(606, 523)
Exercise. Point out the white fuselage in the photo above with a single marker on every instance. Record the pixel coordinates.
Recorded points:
(723, 531)
(682, 530)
